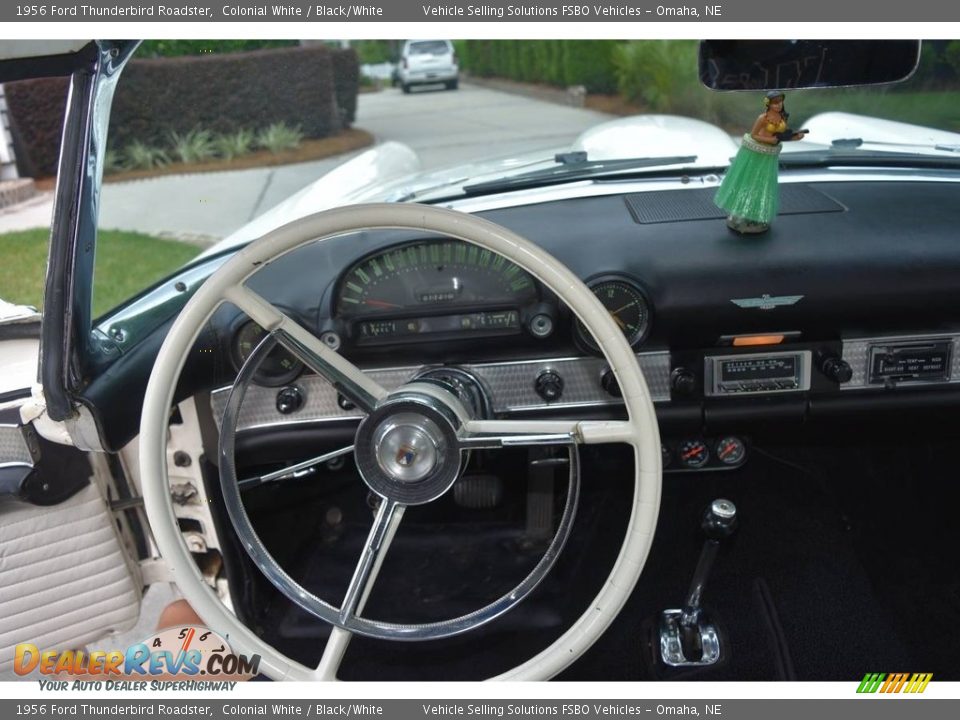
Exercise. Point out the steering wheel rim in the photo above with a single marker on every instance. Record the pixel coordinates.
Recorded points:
(227, 285)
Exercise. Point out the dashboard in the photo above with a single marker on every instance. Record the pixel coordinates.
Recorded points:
(848, 308)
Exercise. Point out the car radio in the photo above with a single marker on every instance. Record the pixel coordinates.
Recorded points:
(757, 373)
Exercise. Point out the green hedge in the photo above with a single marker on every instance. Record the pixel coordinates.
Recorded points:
(313, 88)
(660, 74)
(554, 62)
(590, 63)
(36, 110)
(346, 82)
(225, 93)
(179, 48)
(373, 52)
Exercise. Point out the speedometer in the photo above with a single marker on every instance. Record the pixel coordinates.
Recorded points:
(436, 289)
(430, 276)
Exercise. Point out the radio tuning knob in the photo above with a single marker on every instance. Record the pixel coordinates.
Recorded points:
(683, 381)
(836, 368)
(549, 385)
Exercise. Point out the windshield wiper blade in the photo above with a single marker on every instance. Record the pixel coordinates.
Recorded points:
(866, 158)
(858, 142)
(568, 171)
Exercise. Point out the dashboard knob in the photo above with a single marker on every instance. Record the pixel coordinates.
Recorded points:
(289, 399)
(608, 381)
(683, 381)
(549, 385)
(836, 369)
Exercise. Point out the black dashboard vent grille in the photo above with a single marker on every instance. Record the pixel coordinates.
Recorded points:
(677, 205)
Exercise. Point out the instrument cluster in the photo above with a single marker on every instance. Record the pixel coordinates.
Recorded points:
(442, 290)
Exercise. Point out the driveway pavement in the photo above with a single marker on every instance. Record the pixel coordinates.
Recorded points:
(443, 127)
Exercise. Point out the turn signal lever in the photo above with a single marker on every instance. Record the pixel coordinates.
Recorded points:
(687, 637)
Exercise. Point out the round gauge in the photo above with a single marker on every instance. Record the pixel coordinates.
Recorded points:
(693, 454)
(278, 368)
(627, 306)
(731, 451)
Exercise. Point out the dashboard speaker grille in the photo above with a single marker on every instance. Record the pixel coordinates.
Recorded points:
(678, 205)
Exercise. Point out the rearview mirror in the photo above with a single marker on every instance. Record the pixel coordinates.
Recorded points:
(786, 64)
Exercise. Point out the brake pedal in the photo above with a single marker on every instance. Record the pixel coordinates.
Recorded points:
(478, 492)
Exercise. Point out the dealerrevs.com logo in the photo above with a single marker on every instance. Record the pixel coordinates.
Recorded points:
(192, 654)
(889, 683)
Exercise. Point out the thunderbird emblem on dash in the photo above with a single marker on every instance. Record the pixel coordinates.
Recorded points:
(767, 302)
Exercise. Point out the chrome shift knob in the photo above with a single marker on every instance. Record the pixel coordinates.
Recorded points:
(719, 520)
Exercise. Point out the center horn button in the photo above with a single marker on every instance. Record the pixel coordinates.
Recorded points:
(406, 447)
(407, 450)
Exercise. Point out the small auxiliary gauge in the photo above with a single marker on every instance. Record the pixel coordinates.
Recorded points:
(693, 454)
(278, 368)
(731, 451)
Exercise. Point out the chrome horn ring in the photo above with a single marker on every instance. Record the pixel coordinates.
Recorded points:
(438, 417)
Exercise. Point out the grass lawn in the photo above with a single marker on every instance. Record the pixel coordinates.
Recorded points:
(126, 263)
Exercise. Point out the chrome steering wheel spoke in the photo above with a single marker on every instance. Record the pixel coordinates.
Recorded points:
(497, 434)
(293, 470)
(381, 534)
(346, 377)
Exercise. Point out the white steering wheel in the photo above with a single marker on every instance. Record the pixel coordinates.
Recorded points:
(423, 417)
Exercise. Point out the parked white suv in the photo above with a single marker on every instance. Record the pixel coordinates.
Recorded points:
(425, 62)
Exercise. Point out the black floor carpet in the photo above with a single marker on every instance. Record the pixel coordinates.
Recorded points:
(844, 563)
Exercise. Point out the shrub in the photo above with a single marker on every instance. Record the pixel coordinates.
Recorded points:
(36, 110)
(112, 161)
(556, 62)
(374, 52)
(226, 93)
(477, 57)
(179, 48)
(279, 137)
(140, 156)
(231, 145)
(193, 146)
(346, 83)
(951, 57)
(590, 63)
(661, 74)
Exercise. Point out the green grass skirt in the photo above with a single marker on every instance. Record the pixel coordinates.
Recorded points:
(749, 188)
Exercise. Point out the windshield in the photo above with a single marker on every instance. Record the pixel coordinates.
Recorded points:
(213, 143)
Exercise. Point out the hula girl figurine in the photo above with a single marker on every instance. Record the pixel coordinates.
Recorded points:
(749, 191)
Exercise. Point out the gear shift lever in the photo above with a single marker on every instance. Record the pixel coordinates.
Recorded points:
(686, 636)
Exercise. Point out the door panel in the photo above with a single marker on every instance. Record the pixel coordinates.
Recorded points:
(65, 577)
